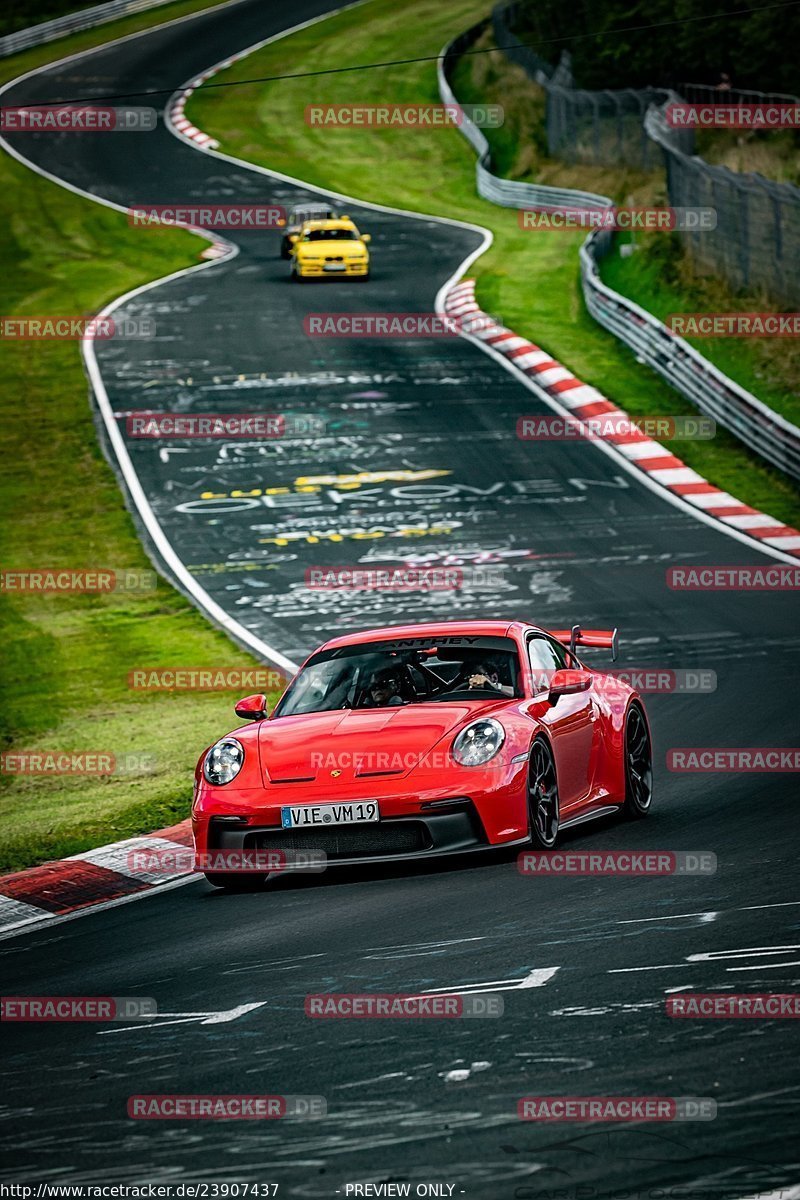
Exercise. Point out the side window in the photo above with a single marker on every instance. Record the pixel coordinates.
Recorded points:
(545, 657)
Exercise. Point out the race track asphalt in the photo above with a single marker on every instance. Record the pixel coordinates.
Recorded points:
(581, 540)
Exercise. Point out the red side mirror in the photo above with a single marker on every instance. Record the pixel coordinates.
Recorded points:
(568, 682)
(252, 708)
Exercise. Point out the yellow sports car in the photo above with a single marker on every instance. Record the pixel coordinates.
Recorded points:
(333, 247)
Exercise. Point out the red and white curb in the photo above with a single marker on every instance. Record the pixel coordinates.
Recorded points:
(176, 114)
(57, 889)
(180, 120)
(583, 401)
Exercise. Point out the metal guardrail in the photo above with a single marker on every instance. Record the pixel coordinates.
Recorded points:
(683, 367)
(84, 18)
(507, 193)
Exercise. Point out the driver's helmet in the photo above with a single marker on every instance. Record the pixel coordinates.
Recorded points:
(386, 679)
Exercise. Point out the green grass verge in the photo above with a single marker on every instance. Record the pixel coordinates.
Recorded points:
(65, 661)
(530, 279)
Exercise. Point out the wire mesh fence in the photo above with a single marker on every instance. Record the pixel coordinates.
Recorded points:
(582, 126)
(756, 243)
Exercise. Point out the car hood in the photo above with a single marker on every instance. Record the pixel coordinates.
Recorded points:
(362, 743)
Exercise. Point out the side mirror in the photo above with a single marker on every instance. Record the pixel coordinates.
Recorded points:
(294, 237)
(252, 708)
(344, 216)
(568, 683)
(366, 237)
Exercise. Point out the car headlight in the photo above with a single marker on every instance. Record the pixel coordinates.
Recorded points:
(223, 761)
(478, 742)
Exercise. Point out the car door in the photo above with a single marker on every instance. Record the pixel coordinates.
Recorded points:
(571, 722)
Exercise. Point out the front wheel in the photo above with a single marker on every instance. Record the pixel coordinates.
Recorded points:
(543, 806)
(638, 764)
(231, 882)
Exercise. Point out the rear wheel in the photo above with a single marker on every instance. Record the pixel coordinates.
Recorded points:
(638, 764)
(543, 807)
(230, 882)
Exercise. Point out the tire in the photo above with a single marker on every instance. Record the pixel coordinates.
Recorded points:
(543, 803)
(638, 765)
(230, 882)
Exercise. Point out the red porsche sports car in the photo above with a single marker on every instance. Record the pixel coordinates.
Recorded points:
(423, 740)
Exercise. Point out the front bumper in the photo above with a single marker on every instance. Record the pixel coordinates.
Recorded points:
(414, 826)
(398, 838)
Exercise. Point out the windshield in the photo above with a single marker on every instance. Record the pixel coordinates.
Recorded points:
(330, 235)
(408, 671)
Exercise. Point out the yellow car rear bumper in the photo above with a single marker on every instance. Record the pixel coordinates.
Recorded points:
(308, 270)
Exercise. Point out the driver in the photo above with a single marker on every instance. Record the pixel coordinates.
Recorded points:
(383, 690)
(486, 676)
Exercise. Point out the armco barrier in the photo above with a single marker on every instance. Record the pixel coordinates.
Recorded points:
(683, 367)
(84, 18)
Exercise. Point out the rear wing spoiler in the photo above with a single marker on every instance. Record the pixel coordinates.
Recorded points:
(603, 639)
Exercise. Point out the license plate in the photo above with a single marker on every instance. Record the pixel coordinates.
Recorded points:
(334, 266)
(312, 816)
